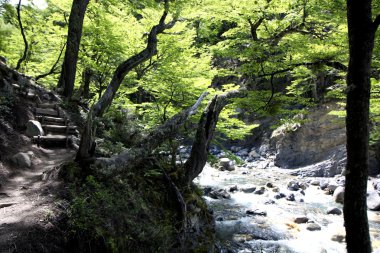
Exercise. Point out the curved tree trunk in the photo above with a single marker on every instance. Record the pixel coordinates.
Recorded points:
(26, 46)
(206, 127)
(69, 66)
(122, 70)
(361, 32)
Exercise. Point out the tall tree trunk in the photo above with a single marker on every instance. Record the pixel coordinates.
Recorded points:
(69, 66)
(361, 32)
(26, 46)
(122, 70)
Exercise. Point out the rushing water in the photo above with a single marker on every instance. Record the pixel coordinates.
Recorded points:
(237, 231)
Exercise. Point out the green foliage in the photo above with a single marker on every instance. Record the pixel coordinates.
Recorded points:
(123, 215)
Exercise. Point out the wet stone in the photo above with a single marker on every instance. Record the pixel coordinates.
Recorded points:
(291, 197)
(259, 191)
(256, 212)
(249, 189)
(334, 210)
(313, 227)
(233, 188)
(301, 219)
(219, 194)
(279, 196)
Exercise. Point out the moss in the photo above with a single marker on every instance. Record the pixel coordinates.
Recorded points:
(124, 215)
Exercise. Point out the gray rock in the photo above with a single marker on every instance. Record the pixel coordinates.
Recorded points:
(22, 160)
(262, 165)
(332, 187)
(224, 163)
(253, 154)
(233, 188)
(269, 202)
(338, 238)
(313, 227)
(256, 212)
(291, 197)
(315, 182)
(259, 191)
(219, 194)
(301, 219)
(243, 152)
(34, 128)
(249, 189)
(373, 201)
(293, 186)
(338, 195)
(279, 196)
(235, 149)
(269, 185)
(334, 210)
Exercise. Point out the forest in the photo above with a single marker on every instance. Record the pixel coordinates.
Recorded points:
(190, 126)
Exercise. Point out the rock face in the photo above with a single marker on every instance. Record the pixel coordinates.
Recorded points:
(318, 143)
(22, 160)
(315, 141)
(34, 128)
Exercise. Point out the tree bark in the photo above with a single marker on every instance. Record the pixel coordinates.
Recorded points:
(26, 46)
(206, 127)
(69, 66)
(361, 34)
(87, 75)
(122, 70)
(141, 150)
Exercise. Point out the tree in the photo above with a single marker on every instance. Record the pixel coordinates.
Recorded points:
(87, 140)
(361, 32)
(69, 66)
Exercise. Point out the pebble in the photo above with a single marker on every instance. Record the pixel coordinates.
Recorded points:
(256, 212)
(301, 219)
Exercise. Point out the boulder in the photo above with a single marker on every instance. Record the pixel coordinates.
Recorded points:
(291, 197)
(233, 188)
(301, 219)
(249, 189)
(34, 128)
(226, 164)
(338, 195)
(334, 210)
(313, 227)
(219, 194)
(243, 152)
(22, 160)
(332, 187)
(256, 212)
(315, 182)
(279, 196)
(293, 186)
(253, 154)
(373, 200)
(259, 191)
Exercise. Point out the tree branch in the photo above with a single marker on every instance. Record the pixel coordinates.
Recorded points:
(54, 67)
(26, 47)
(141, 150)
(254, 27)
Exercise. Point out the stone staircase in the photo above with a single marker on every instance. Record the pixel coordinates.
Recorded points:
(57, 128)
(52, 126)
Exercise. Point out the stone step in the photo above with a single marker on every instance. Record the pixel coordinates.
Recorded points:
(47, 112)
(61, 129)
(47, 106)
(53, 140)
(52, 120)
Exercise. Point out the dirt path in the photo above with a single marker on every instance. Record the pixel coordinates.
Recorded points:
(28, 199)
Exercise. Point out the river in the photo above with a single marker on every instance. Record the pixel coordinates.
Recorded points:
(249, 222)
